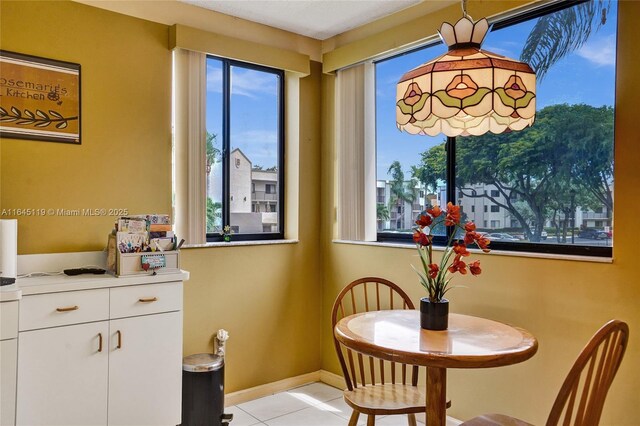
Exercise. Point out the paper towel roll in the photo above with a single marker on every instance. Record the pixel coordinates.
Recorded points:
(8, 248)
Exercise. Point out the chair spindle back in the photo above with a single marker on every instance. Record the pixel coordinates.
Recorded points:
(364, 295)
(583, 392)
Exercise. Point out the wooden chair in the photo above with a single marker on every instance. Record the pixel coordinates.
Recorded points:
(376, 387)
(583, 392)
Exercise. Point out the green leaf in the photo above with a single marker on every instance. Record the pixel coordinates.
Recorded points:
(61, 125)
(423, 280)
(506, 99)
(420, 104)
(557, 34)
(406, 109)
(476, 98)
(448, 100)
(524, 101)
(55, 114)
(42, 114)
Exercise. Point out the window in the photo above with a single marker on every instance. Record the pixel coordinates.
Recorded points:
(547, 180)
(245, 149)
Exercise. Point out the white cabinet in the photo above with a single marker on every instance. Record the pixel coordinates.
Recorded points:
(8, 361)
(62, 376)
(148, 364)
(121, 366)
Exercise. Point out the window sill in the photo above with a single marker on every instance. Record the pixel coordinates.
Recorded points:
(239, 243)
(593, 259)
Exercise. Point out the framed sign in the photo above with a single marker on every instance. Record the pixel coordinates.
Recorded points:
(39, 98)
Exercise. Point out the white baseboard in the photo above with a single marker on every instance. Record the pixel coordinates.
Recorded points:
(245, 395)
(332, 379)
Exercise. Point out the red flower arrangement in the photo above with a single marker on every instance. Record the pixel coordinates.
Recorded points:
(436, 278)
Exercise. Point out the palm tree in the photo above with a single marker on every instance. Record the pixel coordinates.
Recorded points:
(401, 191)
(214, 215)
(382, 212)
(213, 153)
(560, 33)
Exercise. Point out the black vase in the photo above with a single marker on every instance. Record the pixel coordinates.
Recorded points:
(434, 315)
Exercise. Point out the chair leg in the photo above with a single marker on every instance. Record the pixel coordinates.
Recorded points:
(412, 419)
(353, 421)
(371, 420)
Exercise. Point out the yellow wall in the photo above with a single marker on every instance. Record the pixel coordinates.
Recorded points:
(561, 302)
(267, 297)
(124, 160)
(275, 300)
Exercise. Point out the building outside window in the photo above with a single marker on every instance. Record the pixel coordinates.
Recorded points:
(545, 183)
(244, 121)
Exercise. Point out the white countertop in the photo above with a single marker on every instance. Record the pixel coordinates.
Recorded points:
(57, 283)
(9, 293)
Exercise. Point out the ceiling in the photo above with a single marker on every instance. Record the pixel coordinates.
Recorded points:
(319, 19)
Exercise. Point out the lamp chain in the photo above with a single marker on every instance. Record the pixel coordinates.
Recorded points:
(464, 9)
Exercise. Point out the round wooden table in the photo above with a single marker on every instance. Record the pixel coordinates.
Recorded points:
(470, 342)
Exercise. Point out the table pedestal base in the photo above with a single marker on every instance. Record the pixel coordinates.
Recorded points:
(436, 396)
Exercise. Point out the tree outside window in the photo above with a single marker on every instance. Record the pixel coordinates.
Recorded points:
(548, 181)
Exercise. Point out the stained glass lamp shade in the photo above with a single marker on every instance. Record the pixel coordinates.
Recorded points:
(466, 91)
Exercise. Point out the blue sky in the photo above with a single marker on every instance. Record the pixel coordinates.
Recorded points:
(585, 76)
(254, 112)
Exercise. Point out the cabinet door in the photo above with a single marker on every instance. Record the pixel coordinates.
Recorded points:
(8, 363)
(145, 371)
(62, 376)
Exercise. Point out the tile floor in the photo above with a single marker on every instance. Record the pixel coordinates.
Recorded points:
(315, 404)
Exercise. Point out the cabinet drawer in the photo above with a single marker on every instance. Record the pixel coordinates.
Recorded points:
(146, 299)
(8, 320)
(55, 309)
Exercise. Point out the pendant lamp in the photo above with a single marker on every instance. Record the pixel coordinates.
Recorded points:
(468, 90)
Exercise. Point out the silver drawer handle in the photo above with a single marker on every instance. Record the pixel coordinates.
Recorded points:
(68, 309)
(148, 300)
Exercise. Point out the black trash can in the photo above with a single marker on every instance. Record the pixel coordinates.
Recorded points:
(203, 391)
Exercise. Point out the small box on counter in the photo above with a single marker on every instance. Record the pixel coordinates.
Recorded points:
(142, 244)
(148, 262)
